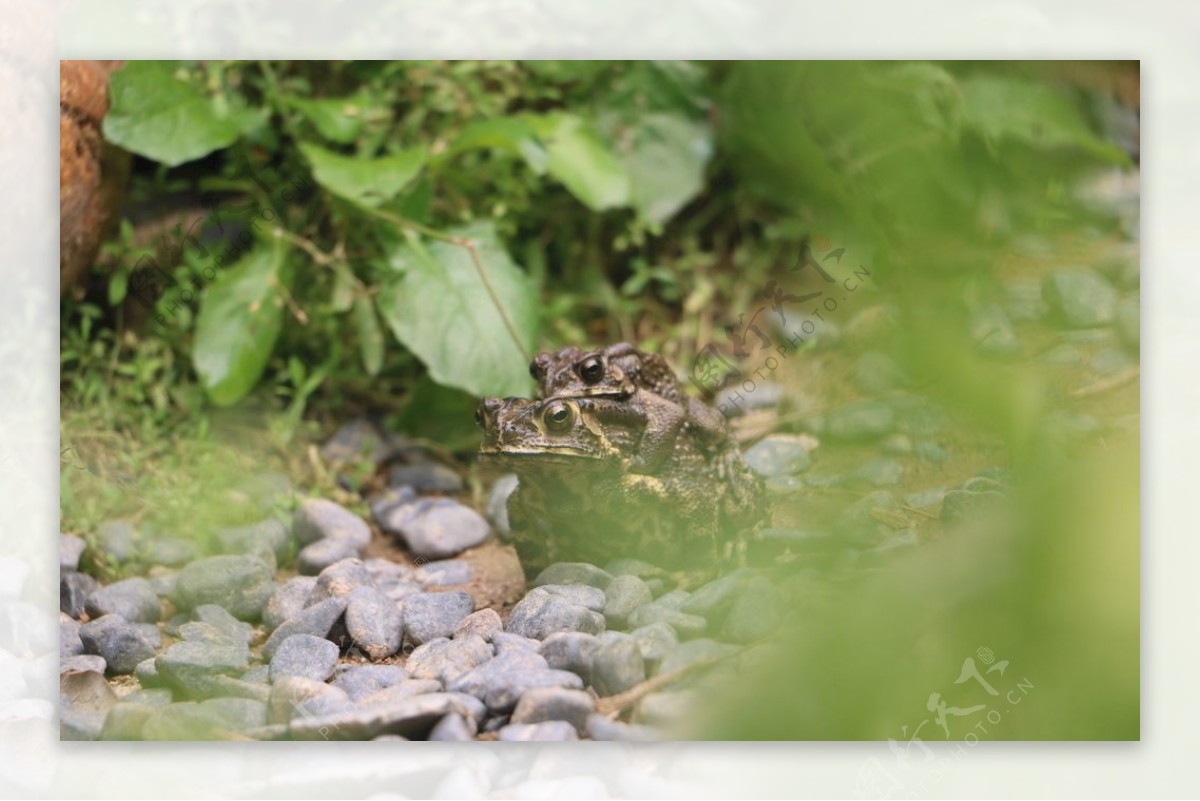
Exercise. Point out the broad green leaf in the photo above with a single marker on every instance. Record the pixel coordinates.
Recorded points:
(439, 307)
(157, 113)
(1034, 114)
(666, 155)
(240, 317)
(508, 134)
(367, 182)
(370, 338)
(585, 165)
(337, 119)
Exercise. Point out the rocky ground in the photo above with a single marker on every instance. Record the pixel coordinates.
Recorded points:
(417, 623)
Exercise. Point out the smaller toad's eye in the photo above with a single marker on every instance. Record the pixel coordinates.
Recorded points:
(479, 416)
(591, 370)
(559, 416)
(534, 372)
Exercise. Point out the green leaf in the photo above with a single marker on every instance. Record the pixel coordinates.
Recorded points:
(582, 162)
(337, 119)
(158, 113)
(118, 287)
(370, 337)
(511, 135)
(367, 182)
(240, 317)
(440, 309)
(666, 155)
(1006, 108)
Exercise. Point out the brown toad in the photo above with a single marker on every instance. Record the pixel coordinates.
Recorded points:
(579, 498)
(641, 380)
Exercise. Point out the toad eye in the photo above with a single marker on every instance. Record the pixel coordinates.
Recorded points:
(479, 416)
(559, 416)
(591, 370)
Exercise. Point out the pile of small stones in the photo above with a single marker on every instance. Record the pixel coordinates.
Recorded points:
(230, 646)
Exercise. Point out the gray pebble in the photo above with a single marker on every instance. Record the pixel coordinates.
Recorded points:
(386, 568)
(147, 673)
(600, 728)
(780, 455)
(453, 728)
(502, 680)
(400, 690)
(555, 703)
(89, 663)
(1079, 297)
(443, 573)
(239, 584)
(315, 620)
(507, 641)
(74, 589)
(317, 556)
(226, 624)
(655, 641)
(484, 622)
(169, 551)
(133, 599)
(317, 519)
(882, 472)
(304, 655)
(573, 573)
(69, 643)
(624, 594)
(125, 721)
(571, 650)
(497, 502)
(339, 580)
(121, 644)
(932, 452)
(293, 696)
(757, 612)
(382, 503)
(397, 589)
(542, 613)
(411, 717)
(580, 594)
(617, 666)
(214, 719)
(287, 601)
(552, 731)
(863, 420)
(992, 330)
(429, 615)
(269, 535)
(70, 549)
(117, 539)
(374, 622)
(716, 597)
(425, 477)
(683, 623)
(446, 660)
(666, 710)
(192, 667)
(693, 652)
(436, 528)
(359, 681)
(260, 674)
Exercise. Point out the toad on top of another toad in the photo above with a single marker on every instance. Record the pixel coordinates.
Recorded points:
(583, 494)
(642, 380)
